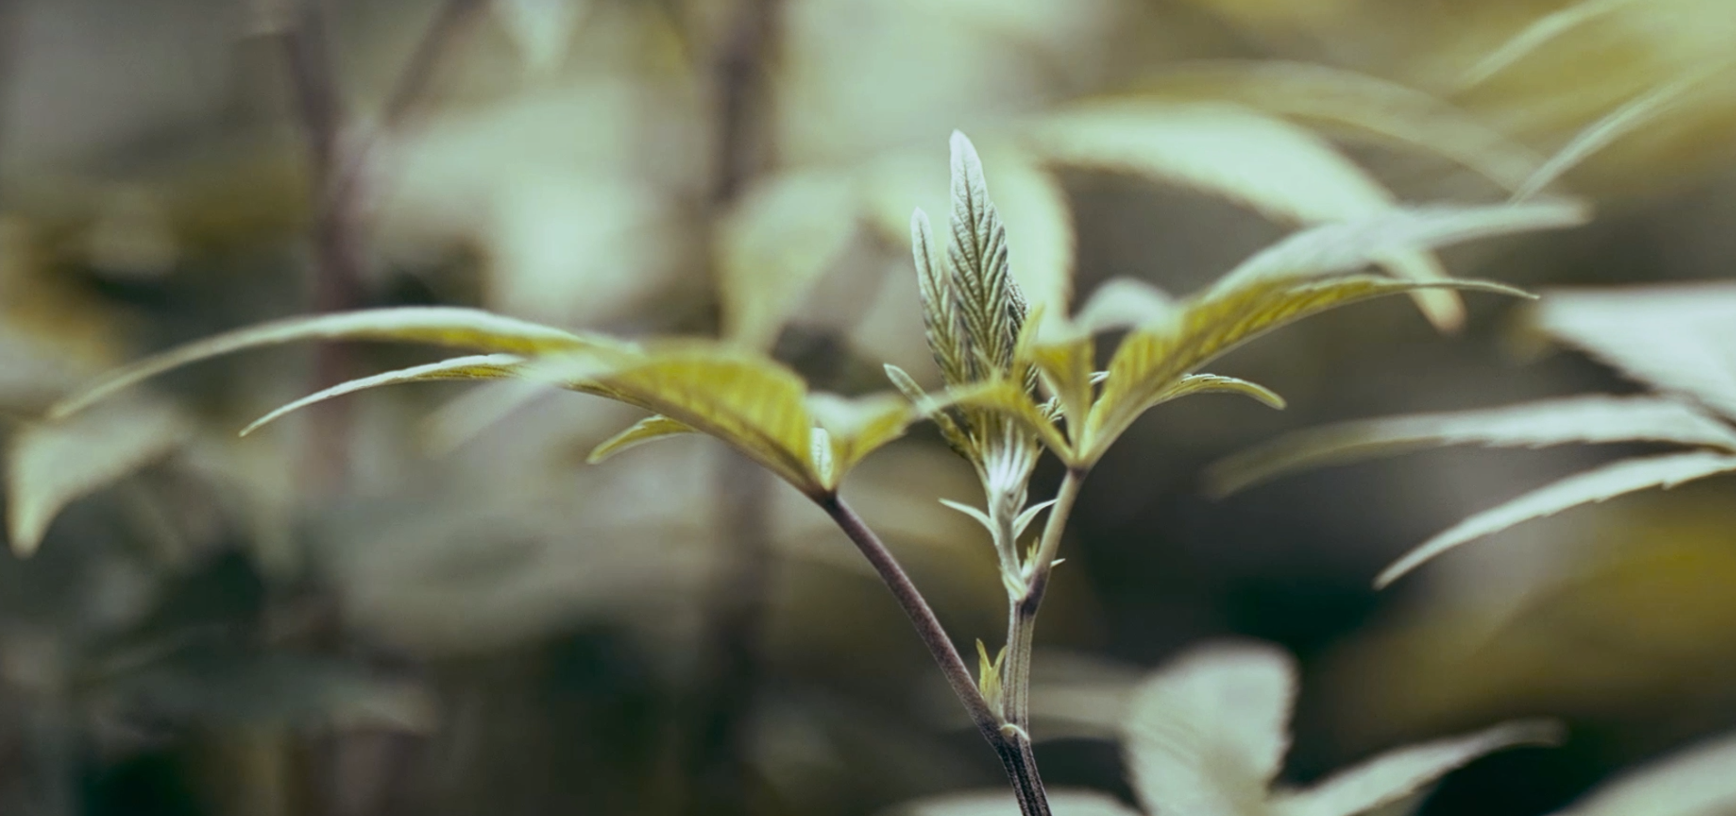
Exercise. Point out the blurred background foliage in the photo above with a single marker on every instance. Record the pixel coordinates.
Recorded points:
(397, 606)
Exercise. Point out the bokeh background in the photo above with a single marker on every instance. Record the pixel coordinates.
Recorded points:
(423, 601)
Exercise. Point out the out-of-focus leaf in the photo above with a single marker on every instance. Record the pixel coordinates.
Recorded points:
(1398, 774)
(1600, 484)
(784, 235)
(1694, 782)
(1061, 803)
(1636, 113)
(1040, 239)
(1675, 338)
(542, 29)
(1206, 735)
(437, 325)
(473, 367)
(1262, 161)
(50, 464)
(1360, 102)
(1123, 303)
(649, 429)
(1538, 33)
(1532, 425)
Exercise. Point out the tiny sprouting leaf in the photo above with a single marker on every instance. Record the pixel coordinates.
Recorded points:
(1125, 303)
(1597, 485)
(50, 464)
(786, 232)
(978, 515)
(989, 674)
(649, 429)
(1029, 515)
(1400, 773)
(1591, 419)
(1693, 782)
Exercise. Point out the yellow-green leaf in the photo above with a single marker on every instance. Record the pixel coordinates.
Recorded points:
(1208, 383)
(649, 429)
(474, 367)
(50, 464)
(787, 231)
(1066, 368)
(1012, 400)
(858, 427)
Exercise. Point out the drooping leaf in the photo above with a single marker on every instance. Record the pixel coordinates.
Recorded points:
(1631, 116)
(1061, 803)
(1600, 484)
(473, 367)
(1208, 383)
(49, 464)
(1066, 367)
(1206, 735)
(649, 429)
(1694, 782)
(1539, 33)
(1259, 160)
(1676, 338)
(786, 232)
(1400, 773)
(436, 325)
(1591, 419)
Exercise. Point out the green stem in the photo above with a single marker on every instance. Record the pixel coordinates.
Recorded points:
(1022, 610)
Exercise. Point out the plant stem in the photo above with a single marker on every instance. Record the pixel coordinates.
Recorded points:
(1012, 745)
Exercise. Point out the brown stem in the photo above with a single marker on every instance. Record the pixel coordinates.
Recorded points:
(1011, 743)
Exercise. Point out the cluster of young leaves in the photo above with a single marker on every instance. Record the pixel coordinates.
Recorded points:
(1675, 339)
(1206, 736)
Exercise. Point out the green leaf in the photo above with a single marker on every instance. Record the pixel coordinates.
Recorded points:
(50, 464)
(474, 367)
(1125, 303)
(786, 232)
(1364, 104)
(1040, 234)
(1397, 774)
(541, 29)
(649, 429)
(1693, 782)
(1012, 400)
(1000, 803)
(1539, 33)
(436, 325)
(1675, 338)
(1600, 484)
(990, 308)
(1591, 419)
(1209, 383)
(857, 427)
(1206, 735)
(1631, 116)
(1259, 160)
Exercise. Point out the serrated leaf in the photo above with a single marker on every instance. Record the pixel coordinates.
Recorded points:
(990, 311)
(1040, 234)
(1206, 735)
(50, 464)
(1397, 774)
(1066, 368)
(435, 325)
(1600, 484)
(474, 367)
(1694, 782)
(1241, 154)
(1591, 419)
(1675, 338)
(786, 232)
(1362, 103)
(1061, 803)
(649, 429)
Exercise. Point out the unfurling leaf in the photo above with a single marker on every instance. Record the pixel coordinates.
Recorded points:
(1694, 782)
(1600, 484)
(783, 236)
(1397, 774)
(990, 307)
(50, 464)
(989, 674)
(1592, 419)
(649, 429)
(1675, 338)
(1206, 735)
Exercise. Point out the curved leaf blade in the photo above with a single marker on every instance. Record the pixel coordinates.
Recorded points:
(1040, 234)
(1210, 383)
(473, 367)
(1694, 782)
(785, 234)
(1598, 485)
(1397, 774)
(649, 429)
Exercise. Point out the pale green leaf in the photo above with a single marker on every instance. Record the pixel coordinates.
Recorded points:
(930, 408)
(436, 325)
(1125, 303)
(1400, 773)
(991, 312)
(1364, 104)
(1694, 782)
(1210, 383)
(1677, 338)
(1206, 735)
(1265, 162)
(1596, 485)
(1000, 803)
(1539, 33)
(786, 232)
(1040, 236)
(1010, 399)
(1591, 419)
(978, 515)
(649, 429)
(856, 427)
(474, 367)
(1631, 116)
(541, 29)
(1029, 515)
(49, 464)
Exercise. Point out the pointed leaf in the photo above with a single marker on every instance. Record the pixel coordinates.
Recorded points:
(990, 311)
(1539, 33)
(1631, 116)
(1208, 383)
(1600, 484)
(474, 367)
(1693, 782)
(50, 464)
(1362, 103)
(1040, 236)
(1677, 338)
(1591, 419)
(975, 513)
(785, 234)
(857, 427)
(1066, 367)
(1397, 774)
(1001, 803)
(436, 325)
(1029, 515)
(941, 321)
(1125, 303)
(1205, 735)
(649, 429)
(1011, 400)
(1262, 161)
